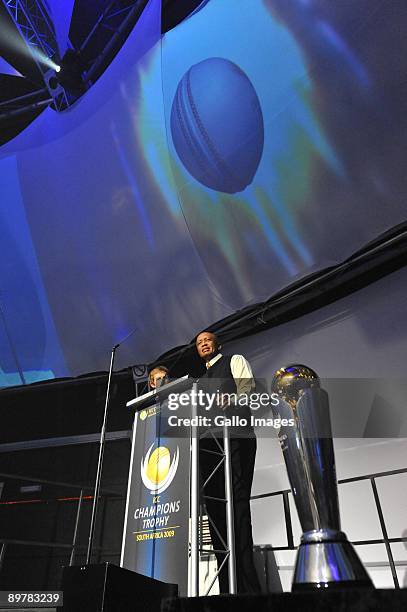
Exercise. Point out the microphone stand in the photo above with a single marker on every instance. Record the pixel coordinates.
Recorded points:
(100, 460)
(102, 450)
(102, 445)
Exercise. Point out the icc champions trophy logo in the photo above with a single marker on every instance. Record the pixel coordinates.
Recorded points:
(157, 468)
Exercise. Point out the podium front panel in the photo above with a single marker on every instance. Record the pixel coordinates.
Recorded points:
(156, 527)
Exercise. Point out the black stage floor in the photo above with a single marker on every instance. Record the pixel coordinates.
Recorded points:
(388, 600)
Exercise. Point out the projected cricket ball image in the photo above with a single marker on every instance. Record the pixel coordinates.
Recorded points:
(217, 125)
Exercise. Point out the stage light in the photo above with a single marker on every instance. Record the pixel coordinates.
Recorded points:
(70, 72)
(64, 80)
(47, 61)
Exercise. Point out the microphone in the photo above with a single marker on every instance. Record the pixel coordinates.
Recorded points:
(116, 346)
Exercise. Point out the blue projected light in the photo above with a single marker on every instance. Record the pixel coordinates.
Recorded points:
(257, 142)
(30, 344)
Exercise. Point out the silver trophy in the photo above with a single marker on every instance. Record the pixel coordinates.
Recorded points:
(325, 558)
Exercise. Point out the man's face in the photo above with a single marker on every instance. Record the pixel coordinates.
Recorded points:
(206, 345)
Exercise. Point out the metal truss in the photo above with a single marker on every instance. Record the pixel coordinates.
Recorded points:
(109, 14)
(228, 546)
(60, 96)
(23, 104)
(198, 494)
(36, 28)
(117, 19)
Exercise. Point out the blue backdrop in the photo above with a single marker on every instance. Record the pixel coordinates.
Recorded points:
(255, 143)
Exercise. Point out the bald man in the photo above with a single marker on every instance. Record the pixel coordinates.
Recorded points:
(232, 374)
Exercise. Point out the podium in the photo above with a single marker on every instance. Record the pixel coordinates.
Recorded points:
(161, 535)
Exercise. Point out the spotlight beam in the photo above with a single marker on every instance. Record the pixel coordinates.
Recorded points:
(68, 78)
(36, 29)
(34, 25)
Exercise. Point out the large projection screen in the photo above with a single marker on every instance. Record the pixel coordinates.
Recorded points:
(253, 144)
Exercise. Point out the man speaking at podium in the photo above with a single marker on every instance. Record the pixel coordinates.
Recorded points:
(230, 375)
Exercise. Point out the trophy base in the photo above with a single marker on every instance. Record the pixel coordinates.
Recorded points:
(327, 560)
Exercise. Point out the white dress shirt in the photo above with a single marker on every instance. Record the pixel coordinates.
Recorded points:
(241, 372)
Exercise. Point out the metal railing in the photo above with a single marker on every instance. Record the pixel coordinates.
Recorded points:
(72, 546)
(384, 540)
